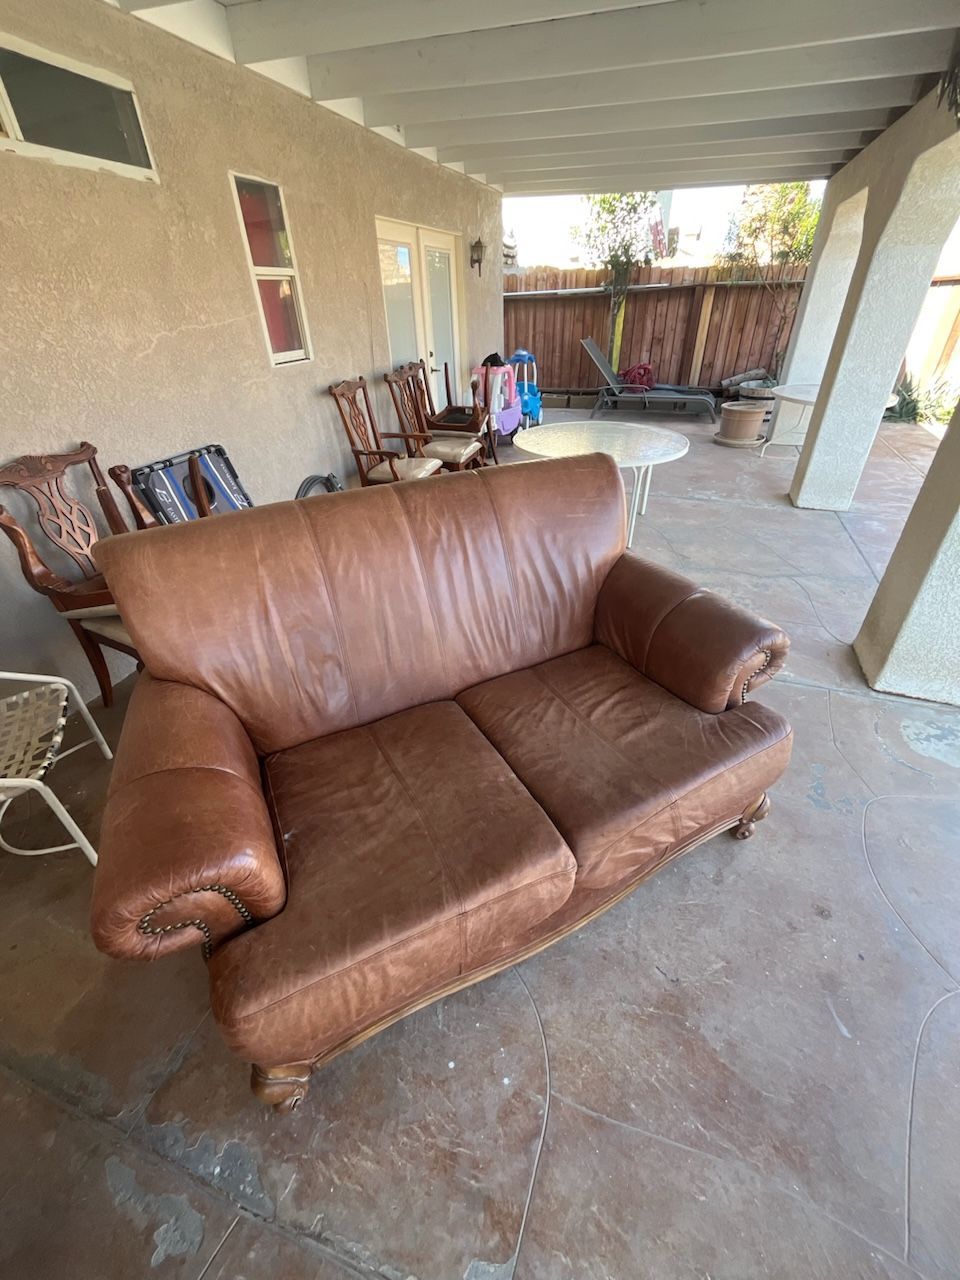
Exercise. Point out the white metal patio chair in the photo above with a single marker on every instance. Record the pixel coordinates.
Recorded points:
(31, 730)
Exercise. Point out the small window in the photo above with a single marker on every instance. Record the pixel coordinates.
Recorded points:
(57, 110)
(270, 257)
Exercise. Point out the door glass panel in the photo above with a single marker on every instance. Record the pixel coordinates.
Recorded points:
(396, 272)
(440, 291)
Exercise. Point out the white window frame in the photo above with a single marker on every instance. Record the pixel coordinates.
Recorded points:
(12, 138)
(291, 273)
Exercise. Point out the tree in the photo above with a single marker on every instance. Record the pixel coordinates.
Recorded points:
(774, 227)
(617, 236)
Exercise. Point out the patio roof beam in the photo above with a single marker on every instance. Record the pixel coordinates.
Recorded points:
(812, 65)
(728, 108)
(662, 140)
(689, 88)
(653, 180)
(612, 188)
(137, 6)
(634, 165)
(844, 148)
(286, 28)
(592, 42)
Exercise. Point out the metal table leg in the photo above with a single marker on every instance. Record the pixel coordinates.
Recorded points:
(647, 474)
(802, 423)
(633, 504)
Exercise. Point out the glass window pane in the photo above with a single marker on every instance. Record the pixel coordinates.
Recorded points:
(263, 223)
(58, 108)
(280, 312)
(396, 272)
(440, 286)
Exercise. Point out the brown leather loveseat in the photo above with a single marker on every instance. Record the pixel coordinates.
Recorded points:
(389, 741)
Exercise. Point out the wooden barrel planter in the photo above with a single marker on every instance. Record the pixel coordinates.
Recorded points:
(759, 391)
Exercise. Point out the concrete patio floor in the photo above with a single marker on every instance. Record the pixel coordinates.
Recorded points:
(749, 1068)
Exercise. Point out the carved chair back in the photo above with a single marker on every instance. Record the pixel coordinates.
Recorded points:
(420, 380)
(353, 403)
(418, 374)
(61, 516)
(470, 418)
(122, 477)
(356, 412)
(407, 400)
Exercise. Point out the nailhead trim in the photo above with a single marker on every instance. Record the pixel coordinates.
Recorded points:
(767, 659)
(145, 924)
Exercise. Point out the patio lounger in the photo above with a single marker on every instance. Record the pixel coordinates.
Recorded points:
(663, 398)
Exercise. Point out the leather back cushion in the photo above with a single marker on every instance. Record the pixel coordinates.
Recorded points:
(314, 616)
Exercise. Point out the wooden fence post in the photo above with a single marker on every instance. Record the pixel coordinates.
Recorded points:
(700, 340)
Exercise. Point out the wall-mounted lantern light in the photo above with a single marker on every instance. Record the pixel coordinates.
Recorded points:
(477, 250)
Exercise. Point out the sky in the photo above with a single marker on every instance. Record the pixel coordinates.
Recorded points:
(543, 225)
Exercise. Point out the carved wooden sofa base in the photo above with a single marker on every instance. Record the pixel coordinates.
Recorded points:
(285, 1086)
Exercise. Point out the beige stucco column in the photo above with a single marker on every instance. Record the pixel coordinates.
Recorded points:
(835, 251)
(851, 339)
(910, 639)
(836, 248)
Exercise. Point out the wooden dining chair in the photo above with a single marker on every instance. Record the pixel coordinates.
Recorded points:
(375, 464)
(456, 451)
(85, 602)
(454, 419)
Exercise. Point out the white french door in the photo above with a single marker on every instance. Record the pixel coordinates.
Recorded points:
(420, 274)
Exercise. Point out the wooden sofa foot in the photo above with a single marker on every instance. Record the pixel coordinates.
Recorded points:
(282, 1088)
(754, 813)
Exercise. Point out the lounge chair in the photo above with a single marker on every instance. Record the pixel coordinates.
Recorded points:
(663, 398)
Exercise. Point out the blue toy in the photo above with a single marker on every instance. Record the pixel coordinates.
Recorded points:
(531, 401)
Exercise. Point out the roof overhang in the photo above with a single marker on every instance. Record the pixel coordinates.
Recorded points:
(605, 96)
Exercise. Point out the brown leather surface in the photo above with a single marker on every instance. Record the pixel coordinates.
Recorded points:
(185, 812)
(690, 641)
(423, 841)
(623, 768)
(413, 855)
(310, 617)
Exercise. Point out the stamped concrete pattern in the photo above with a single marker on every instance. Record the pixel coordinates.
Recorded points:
(750, 1068)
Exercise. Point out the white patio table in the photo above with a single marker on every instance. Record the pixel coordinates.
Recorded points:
(632, 446)
(805, 395)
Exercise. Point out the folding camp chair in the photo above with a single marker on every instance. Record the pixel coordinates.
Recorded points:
(663, 398)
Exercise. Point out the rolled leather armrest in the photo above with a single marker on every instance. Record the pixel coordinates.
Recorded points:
(187, 851)
(688, 640)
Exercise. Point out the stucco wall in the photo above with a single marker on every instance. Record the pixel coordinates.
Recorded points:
(127, 315)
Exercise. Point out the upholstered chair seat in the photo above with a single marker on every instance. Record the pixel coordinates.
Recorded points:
(407, 469)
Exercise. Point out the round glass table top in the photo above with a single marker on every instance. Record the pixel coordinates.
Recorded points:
(797, 392)
(807, 392)
(630, 444)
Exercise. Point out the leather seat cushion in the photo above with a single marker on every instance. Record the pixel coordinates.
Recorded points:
(413, 856)
(625, 770)
(407, 469)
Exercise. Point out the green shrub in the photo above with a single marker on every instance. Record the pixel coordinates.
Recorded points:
(933, 402)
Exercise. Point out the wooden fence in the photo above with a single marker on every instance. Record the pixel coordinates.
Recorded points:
(691, 324)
